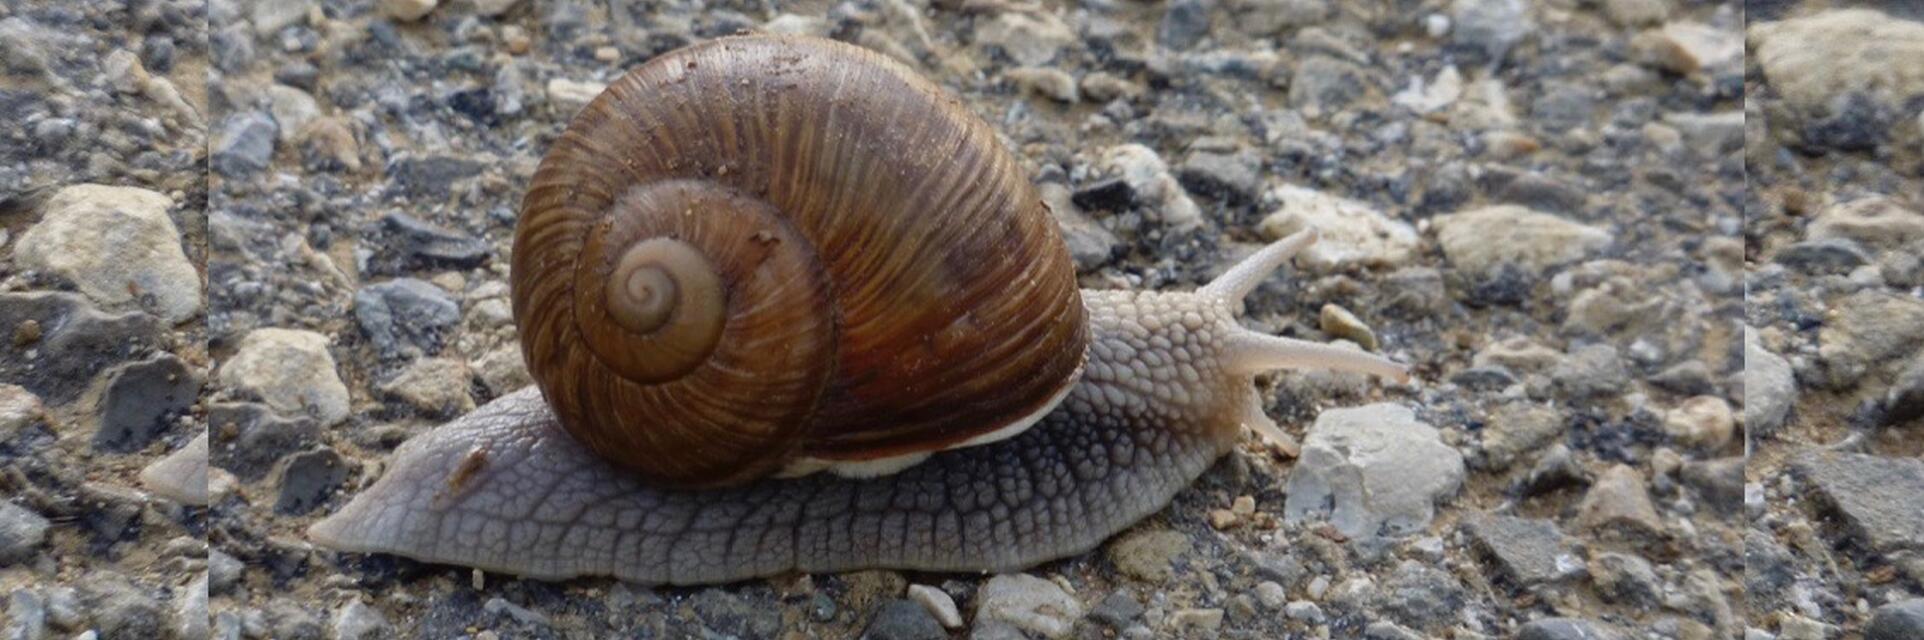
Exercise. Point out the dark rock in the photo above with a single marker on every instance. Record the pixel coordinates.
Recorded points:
(405, 317)
(141, 399)
(245, 144)
(1118, 610)
(1769, 571)
(1566, 629)
(1856, 122)
(1421, 596)
(1902, 620)
(1227, 177)
(1544, 193)
(255, 437)
(232, 47)
(1112, 194)
(1488, 378)
(1875, 498)
(430, 178)
(1557, 469)
(74, 341)
(730, 614)
(1823, 256)
(902, 619)
(1905, 403)
(1688, 378)
(405, 244)
(307, 479)
(1184, 24)
(157, 54)
(298, 73)
(1527, 551)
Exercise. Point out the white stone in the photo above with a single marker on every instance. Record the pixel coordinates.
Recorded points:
(1483, 239)
(1148, 176)
(407, 10)
(1031, 39)
(1690, 47)
(1372, 471)
(181, 476)
(436, 386)
(1770, 386)
(569, 96)
(117, 245)
(938, 603)
(493, 7)
(18, 408)
(1877, 222)
(789, 23)
(1028, 603)
(291, 371)
(1353, 232)
(1813, 59)
(1433, 96)
(292, 109)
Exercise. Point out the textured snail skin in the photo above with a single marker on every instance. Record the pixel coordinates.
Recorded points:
(1168, 383)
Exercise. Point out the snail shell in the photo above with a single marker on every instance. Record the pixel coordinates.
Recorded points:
(761, 253)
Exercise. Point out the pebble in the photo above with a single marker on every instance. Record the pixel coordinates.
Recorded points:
(1340, 324)
(1618, 503)
(1269, 17)
(407, 10)
(1148, 555)
(1118, 610)
(190, 610)
(1879, 223)
(1230, 177)
(1028, 603)
(1518, 428)
(1198, 619)
(903, 620)
(1353, 233)
(1703, 422)
(1567, 629)
(1636, 13)
(1824, 256)
(119, 248)
(1372, 471)
(501, 608)
(26, 616)
(492, 7)
(291, 371)
(1485, 239)
(1151, 183)
(1030, 39)
(569, 96)
(406, 317)
(223, 571)
(21, 532)
(121, 609)
(1049, 82)
(1271, 594)
(938, 603)
(1489, 26)
(1720, 132)
(1770, 388)
(1869, 328)
(1304, 611)
(1591, 373)
(1090, 245)
(18, 409)
(1873, 497)
(1184, 23)
(433, 385)
(357, 621)
(406, 244)
(1905, 402)
(244, 145)
(1901, 620)
(1689, 47)
(1625, 578)
(306, 480)
(181, 476)
(1811, 60)
(503, 370)
(141, 400)
(1525, 551)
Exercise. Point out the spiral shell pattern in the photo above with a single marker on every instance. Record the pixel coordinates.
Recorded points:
(761, 248)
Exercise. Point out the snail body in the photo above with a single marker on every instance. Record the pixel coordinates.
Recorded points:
(888, 303)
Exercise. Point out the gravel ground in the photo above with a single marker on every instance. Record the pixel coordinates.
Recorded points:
(1551, 209)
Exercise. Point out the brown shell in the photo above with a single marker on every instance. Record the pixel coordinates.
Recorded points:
(890, 282)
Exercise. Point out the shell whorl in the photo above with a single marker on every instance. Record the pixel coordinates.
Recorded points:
(763, 248)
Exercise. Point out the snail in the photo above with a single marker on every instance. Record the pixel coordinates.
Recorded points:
(790, 307)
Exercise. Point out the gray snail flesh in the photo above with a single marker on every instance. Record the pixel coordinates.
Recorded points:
(1164, 388)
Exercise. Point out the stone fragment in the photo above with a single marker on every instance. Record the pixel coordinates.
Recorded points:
(181, 476)
(1526, 551)
(407, 10)
(1770, 388)
(1482, 240)
(1028, 603)
(119, 248)
(1031, 39)
(1901, 620)
(1704, 422)
(1874, 498)
(1689, 47)
(1516, 429)
(1879, 223)
(1810, 60)
(903, 620)
(1148, 555)
(291, 371)
(1869, 328)
(1372, 471)
(59, 342)
(141, 401)
(938, 603)
(21, 532)
(406, 317)
(1354, 234)
(306, 480)
(1618, 504)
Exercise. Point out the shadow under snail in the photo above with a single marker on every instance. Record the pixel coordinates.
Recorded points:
(790, 307)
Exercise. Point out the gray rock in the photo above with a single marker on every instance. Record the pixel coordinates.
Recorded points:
(1618, 505)
(182, 476)
(190, 610)
(1372, 471)
(1516, 429)
(1229, 177)
(306, 480)
(1327, 83)
(430, 178)
(1870, 328)
(1354, 233)
(118, 246)
(1526, 551)
(938, 603)
(26, 616)
(1490, 26)
(18, 408)
(733, 615)
(1625, 578)
(21, 532)
(434, 386)
(405, 317)
(1414, 594)
(1028, 603)
(499, 607)
(1118, 610)
(261, 437)
(245, 145)
(291, 371)
(357, 621)
(1482, 240)
(1709, 132)
(1030, 39)
(1770, 387)
(1720, 481)
(1567, 629)
(1902, 620)
(1090, 245)
(403, 244)
(1591, 373)
(1184, 23)
(1823, 256)
(1148, 555)
(1386, 630)
(1875, 498)
(1905, 402)
(223, 571)
(903, 620)
(141, 400)
(122, 609)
